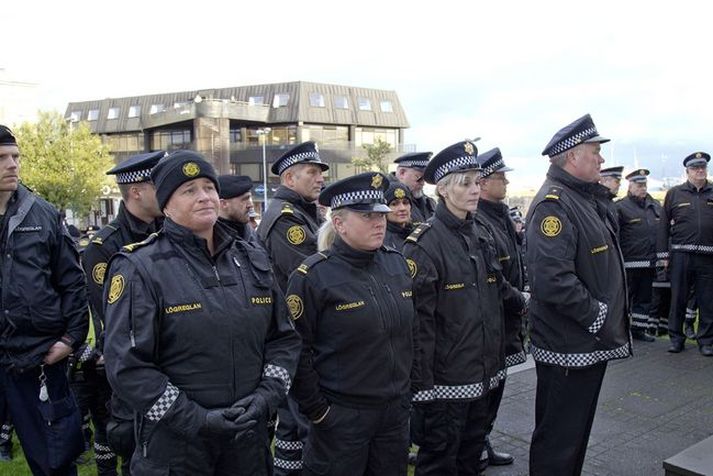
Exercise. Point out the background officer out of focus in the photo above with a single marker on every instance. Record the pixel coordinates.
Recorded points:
(409, 171)
(236, 206)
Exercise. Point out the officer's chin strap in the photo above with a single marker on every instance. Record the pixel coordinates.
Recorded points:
(44, 395)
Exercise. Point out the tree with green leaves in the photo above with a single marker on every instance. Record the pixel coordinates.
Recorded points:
(376, 154)
(63, 163)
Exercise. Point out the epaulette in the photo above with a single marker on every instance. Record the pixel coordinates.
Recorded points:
(130, 248)
(311, 261)
(102, 234)
(287, 209)
(553, 193)
(418, 232)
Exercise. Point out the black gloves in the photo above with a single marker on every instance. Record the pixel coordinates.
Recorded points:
(233, 422)
(218, 424)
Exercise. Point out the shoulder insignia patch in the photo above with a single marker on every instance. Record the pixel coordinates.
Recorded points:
(98, 272)
(296, 234)
(295, 305)
(412, 267)
(98, 241)
(135, 246)
(311, 261)
(418, 232)
(287, 208)
(551, 226)
(116, 288)
(553, 193)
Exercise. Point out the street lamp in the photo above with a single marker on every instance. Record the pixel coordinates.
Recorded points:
(262, 132)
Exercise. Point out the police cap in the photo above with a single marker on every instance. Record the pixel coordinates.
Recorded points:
(232, 186)
(414, 160)
(305, 153)
(515, 214)
(615, 172)
(397, 191)
(491, 162)
(179, 167)
(459, 157)
(638, 175)
(696, 158)
(363, 192)
(580, 131)
(136, 168)
(6, 136)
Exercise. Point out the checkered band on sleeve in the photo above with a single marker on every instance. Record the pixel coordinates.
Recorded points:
(164, 403)
(454, 165)
(515, 359)
(413, 163)
(572, 141)
(579, 360)
(86, 354)
(288, 445)
(424, 396)
(492, 168)
(495, 380)
(275, 371)
(637, 264)
(287, 464)
(290, 161)
(599, 321)
(360, 196)
(702, 249)
(662, 255)
(134, 176)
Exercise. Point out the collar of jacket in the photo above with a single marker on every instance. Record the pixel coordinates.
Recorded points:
(402, 231)
(238, 227)
(588, 189)
(452, 221)
(693, 189)
(136, 226)
(497, 209)
(354, 257)
(297, 200)
(193, 243)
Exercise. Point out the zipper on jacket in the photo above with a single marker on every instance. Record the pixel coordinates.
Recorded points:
(395, 306)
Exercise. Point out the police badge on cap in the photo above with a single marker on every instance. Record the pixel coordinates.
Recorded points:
(696, 158)
(459, 157)
(363, 192)
(638, 175)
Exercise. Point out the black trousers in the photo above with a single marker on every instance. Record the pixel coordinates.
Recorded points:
(639, 281)
(565, 404)
(356, 442)
(450, 435)
(290, 437)
(689, 270)
(50, 431)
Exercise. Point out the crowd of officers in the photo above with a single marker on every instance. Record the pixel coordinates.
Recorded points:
(342, 339)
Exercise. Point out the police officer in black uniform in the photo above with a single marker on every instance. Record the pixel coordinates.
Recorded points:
(409, 171)
(288, 230)
(492, 209)
(352, 304)
(137, 218)
(685, 242)
(460, 296)
(398, 220)
(235, 206)
(42, 320)
(578, 312)
(639, 215)
(611, 179)
(198, 342)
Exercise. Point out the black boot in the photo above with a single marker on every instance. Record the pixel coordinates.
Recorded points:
(496, 458)
(642, 336)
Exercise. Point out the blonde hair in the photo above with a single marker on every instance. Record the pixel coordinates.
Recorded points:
(450, 181)
(327, 233)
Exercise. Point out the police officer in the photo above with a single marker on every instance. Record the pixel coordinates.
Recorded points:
(289, 231)
(409, 171)
(460, 296)
(352, 304)
(199, 342)
(492, 209)
(236, 204)
(578, 312)
(639, 215)
(611, 179)
(137, 218)
(685, 242)
(43, 319)
(398, 220)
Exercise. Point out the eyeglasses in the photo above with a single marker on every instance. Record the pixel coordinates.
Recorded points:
(698, 167)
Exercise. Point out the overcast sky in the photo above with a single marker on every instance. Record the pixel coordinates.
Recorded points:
(512, 72)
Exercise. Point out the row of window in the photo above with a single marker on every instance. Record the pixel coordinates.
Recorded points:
(279, 100)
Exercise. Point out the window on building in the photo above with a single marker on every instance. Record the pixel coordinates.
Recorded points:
(236, 135)
(75, 116)
(326, 135)
(341, 102)
(282, 135)
(386, 106)
(170, 140)
(368, 135)
(156, 108)
(256, 100)
(113, 113)
(280, 100)
(93, 115)
(134, 111)
(125, 142)
(364, 104)
(316, 99)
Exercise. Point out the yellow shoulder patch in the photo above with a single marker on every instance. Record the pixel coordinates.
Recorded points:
(98, 272)
(116, 288)
(287, 208)
(412, 267)
(134, 246)
(418, 231)
(296, 234)
(295, 305)
(303, 268)
(551, 226)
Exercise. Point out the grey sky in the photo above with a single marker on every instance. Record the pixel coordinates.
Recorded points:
(512, 72)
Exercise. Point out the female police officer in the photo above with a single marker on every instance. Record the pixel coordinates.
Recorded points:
(459, 293)
(398, 220)
(199, 341)
(352, 305)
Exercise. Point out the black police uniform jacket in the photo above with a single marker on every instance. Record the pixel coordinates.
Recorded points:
(686, 221)
(288, 230)
(638, 227)
(497, 216)
(242, 231)
(396, 235)
(422, 209)
(43, 289)
(578, 312)
(460, 294)
(123, 230)
(187, 331)
(354, 311)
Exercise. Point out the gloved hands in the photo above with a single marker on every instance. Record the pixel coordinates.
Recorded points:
(218, 424)
(247, 411)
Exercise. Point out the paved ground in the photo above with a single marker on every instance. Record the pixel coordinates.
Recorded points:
(651, 407)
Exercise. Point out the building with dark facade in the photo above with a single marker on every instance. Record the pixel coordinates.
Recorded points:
(232, 126)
